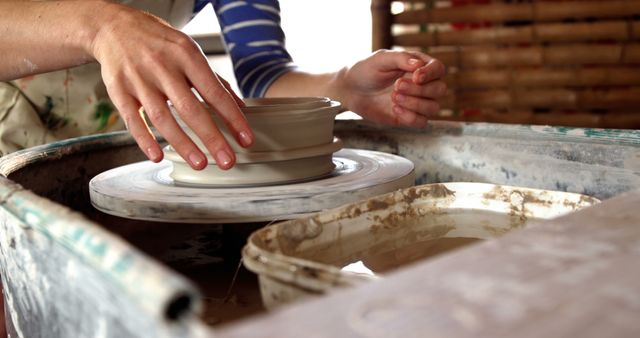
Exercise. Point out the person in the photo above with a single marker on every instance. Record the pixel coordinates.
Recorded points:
(390, 87)
(143, 61)
(72, 68)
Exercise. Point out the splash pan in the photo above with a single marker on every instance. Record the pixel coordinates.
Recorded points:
(304, 257)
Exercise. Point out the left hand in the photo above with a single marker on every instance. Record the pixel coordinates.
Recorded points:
(394, 87)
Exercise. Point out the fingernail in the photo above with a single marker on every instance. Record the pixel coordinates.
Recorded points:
(154, 154)
(400, 98)
(397, 110)
(245, 138)
(223, 158)
(413, 61)
(196, 159)
(422, 77)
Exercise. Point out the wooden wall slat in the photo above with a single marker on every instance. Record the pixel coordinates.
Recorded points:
(552, 98)
(576, 60)
(500, 12)
(381, 21)
(536, 33)
(541, 77)
(559, 118)
(559, 55)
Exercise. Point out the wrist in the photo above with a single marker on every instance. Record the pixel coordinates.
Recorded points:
(337, 89)
(96, 19)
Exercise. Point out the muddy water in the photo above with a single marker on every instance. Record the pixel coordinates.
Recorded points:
(389, 260)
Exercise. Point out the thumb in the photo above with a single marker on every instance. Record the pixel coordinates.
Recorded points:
(389, 60)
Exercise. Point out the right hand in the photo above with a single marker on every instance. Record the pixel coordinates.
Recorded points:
(145, 62)
(394, 87)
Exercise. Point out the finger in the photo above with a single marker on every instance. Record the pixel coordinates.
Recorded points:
(219, 99)
(388, 61)
(199, 119)
(232, 92)
(433, 70)
(129, 109)
(433, 90)
(157, 110)
(409, 118)
(416, 104)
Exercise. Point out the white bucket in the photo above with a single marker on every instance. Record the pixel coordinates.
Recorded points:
(303, 257)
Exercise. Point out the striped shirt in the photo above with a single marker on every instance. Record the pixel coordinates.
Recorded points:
(254, 39)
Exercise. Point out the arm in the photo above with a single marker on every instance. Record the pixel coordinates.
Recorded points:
(38, 37)
(255, 42)
(390, 87)
(143, 61)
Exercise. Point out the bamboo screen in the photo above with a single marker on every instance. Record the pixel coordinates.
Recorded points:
(572, 63)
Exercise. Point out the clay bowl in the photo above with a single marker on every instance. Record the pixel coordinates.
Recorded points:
(281, 124)
(260, 168)
(293, 142)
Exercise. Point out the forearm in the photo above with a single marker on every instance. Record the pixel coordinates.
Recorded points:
(42, 36)
(298, 83)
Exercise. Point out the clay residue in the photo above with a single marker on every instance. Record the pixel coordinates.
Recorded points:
(265, 238)
(539, 198)
(429, 191)
(588, 200)
(391, 221)
(395, 219)
(497, 193)
(440, 191)
(583, 201)
(291, 234)
(386, 202)
(517, 206)
(352, 211)
(376, 204)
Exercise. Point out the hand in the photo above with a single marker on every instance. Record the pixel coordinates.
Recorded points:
(395, 87)
(145, 62)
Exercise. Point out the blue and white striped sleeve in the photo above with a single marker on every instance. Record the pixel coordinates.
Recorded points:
(254, 39)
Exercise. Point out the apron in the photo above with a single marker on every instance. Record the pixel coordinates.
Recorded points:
(69, 103)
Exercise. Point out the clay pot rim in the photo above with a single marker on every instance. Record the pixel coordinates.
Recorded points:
(291, 103)
(315, 107)
(332, 108)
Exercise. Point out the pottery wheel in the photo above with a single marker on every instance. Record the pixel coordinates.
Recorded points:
(146, 191)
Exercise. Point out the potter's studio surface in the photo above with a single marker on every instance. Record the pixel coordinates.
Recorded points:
(145, 190)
